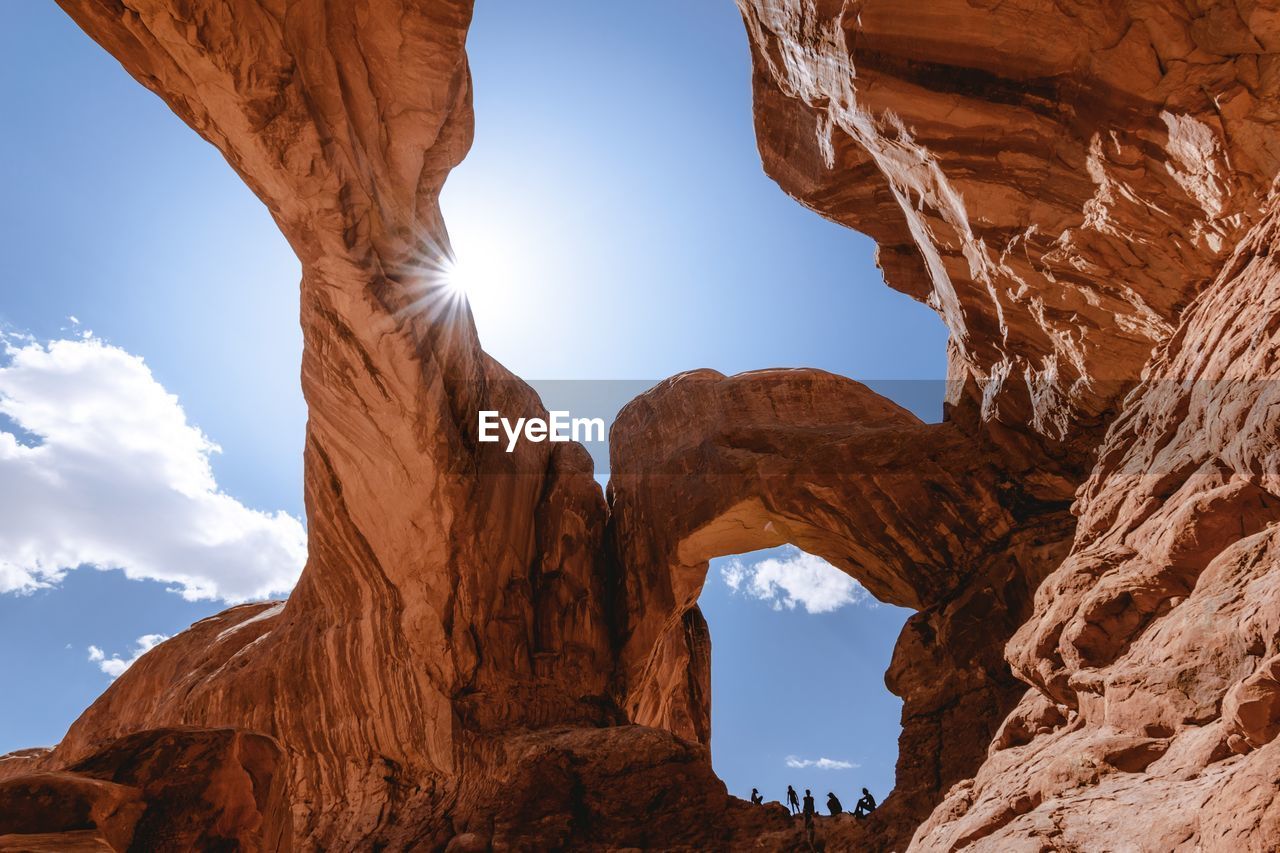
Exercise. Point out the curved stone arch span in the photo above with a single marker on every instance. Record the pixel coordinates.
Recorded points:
(705, 466)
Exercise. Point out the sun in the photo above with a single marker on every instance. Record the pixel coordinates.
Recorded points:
(476, 273)
(466, 277)
(460, 279)
(479, 272)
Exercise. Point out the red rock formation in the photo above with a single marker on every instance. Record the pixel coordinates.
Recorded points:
(1084, 207)
(1057, 179)
(450, 629)
(704, 466)
(61, 803)
(166, 789)
(1080, 189)
(411, 639)
(1154, 641)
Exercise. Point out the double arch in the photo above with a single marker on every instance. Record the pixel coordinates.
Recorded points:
(705, 465)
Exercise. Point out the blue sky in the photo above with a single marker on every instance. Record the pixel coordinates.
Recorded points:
(617, 226)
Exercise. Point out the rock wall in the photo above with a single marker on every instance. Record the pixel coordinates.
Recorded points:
(1151, 653)
(1057, 179)
(485, 652)
(1085, 192)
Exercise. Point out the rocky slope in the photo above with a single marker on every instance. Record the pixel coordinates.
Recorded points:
(485, 652)
(1085, 192)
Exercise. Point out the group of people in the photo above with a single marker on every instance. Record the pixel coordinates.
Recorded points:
(865, 806)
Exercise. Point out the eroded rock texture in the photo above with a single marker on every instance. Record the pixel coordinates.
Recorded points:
(170, 789)
(1151, 651)
(705, 465)
(1057, 179)
(412, 639)
(1085, 192)
(484, 652)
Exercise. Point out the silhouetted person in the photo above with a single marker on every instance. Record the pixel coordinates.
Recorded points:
(756, 799)
(793, 802)
(808, 817)
(833, 804)
(865, 806)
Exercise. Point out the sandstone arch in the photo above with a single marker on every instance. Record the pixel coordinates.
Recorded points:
(412, 633)
(705, 465)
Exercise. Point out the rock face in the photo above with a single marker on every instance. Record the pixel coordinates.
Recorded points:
(162, 789)
(412, 640)
(1151, 650)
(1057, 179)
(485, 652)
(1085, 192)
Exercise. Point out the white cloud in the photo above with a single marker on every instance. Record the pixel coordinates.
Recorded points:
(115, 666)
(105, 471)
(819, 763)
(734, 574)
(794, 579)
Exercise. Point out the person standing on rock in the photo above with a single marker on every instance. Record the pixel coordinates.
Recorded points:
(809, 812)
(865, 806)
(793, 802)
(833, 803)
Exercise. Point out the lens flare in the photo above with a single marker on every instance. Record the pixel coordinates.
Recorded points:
(474, 275)
(455, 280)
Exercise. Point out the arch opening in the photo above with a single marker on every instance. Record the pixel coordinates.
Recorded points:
(805, 647)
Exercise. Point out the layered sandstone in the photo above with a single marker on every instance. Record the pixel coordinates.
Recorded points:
(1057, 179)
(1151, 651)
(174, 789)
(412, 638)
(703, 466)
(1084, 191)
(485, 652)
